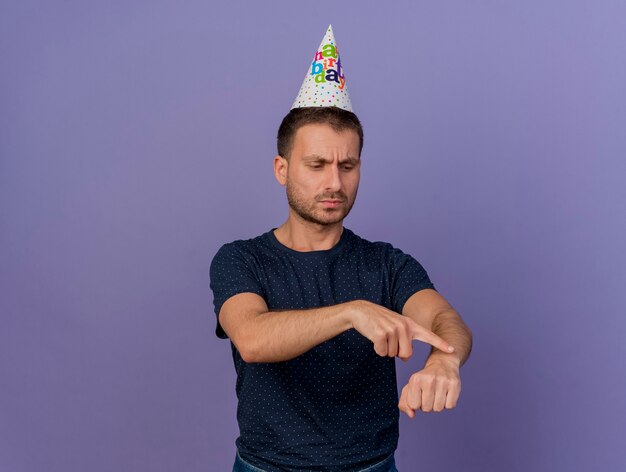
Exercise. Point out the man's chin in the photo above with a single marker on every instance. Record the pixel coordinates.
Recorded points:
(324, 218)
(331, 219)
(323, 221)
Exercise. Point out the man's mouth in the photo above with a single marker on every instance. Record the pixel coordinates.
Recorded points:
(331, 203)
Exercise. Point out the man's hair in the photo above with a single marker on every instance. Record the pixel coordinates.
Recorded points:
(337, 118)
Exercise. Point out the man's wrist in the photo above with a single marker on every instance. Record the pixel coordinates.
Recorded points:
(444, 357)
(350, 312)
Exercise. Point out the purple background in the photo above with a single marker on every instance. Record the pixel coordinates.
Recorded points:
(137, 137)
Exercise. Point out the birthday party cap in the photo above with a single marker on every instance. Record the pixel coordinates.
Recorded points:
(325, 82)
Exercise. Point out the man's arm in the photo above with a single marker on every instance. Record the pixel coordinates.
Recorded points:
(271, 336)
(449, 325)
(263, 336)
(438, 384)
(429, 309)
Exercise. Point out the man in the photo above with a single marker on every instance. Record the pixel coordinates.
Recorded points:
(316, 315)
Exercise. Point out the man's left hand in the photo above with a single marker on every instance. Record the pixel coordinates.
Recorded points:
(435, 387)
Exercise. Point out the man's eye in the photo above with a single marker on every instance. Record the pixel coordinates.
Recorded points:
(316, 166)
(348, 167)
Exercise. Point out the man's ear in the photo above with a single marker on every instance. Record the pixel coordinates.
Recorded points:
(280, 169)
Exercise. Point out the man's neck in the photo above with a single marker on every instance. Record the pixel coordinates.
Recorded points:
(307, 236)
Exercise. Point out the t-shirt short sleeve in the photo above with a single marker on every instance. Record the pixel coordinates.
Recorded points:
(407, 277)
(231, 272)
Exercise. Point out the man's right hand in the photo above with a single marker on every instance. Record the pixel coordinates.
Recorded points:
(391, 333)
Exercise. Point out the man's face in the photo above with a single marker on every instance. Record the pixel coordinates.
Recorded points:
(322, 176)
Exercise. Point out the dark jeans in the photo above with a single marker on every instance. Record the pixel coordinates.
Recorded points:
(387, 465)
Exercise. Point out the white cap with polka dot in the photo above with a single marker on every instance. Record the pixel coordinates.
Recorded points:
(325, 82)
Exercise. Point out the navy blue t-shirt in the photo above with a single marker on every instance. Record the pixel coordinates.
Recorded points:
(333, 408)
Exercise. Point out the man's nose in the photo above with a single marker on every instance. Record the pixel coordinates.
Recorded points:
(333, 179)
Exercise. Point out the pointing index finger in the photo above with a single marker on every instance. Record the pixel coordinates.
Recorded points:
(422, 334)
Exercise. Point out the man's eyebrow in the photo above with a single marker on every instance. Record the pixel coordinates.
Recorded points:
(316, 157)
(313, 157)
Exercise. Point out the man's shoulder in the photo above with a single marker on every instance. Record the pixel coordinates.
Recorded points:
(378, 250)
(245, 242)
(376, 245)
(243, 246)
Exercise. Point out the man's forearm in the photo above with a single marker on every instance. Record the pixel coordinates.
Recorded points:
(449, 325)
(282, 335)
